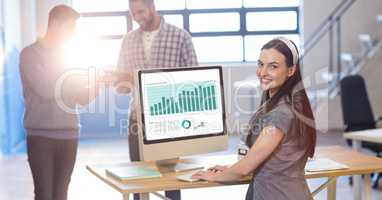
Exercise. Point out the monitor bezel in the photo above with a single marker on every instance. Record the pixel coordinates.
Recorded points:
(156, 70)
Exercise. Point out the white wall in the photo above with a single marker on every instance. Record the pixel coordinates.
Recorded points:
(34, 18)
(372, 74)
(42, 11)
(1, 35)
(2, 99)
(360, 18)
(28, 22)
(12, 24)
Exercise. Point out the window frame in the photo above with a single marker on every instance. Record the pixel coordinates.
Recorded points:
(186, 21)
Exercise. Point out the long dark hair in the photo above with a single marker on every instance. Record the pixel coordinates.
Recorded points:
(294, 92)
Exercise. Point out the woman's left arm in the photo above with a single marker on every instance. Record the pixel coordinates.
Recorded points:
(268, 140)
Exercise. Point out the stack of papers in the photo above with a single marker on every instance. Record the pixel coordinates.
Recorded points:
(323, 164)
(133, 173)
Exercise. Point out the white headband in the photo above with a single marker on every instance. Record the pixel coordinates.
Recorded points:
(291, 47)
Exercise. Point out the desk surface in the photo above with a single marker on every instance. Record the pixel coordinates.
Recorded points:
(372, 135)
(358, 164)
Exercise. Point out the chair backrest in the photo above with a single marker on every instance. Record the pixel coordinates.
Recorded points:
(356, 108)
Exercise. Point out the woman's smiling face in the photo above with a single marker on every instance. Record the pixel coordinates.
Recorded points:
(272, 70)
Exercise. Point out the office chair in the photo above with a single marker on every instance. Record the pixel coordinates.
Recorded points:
(358, 114)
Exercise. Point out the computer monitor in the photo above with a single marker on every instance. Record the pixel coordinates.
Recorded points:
(182, 112)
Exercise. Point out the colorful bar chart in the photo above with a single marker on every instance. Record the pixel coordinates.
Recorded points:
(182, 98)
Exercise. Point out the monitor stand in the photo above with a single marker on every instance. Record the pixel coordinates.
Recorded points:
(176, 165)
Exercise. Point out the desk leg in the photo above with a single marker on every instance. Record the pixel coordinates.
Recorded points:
(125, 196)
(357, 178)
(332, 190)
(367, 187)
(144, 196)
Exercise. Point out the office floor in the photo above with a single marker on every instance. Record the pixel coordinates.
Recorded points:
(16, 181)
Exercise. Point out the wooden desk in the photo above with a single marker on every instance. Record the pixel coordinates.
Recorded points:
(372, 135)
(358, 163)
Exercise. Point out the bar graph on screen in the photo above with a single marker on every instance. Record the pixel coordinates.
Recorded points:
(182, 98)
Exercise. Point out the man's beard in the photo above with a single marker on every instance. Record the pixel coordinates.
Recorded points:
(148, 24)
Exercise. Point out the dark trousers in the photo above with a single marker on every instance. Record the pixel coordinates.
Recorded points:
(51, 162)
(134, 153)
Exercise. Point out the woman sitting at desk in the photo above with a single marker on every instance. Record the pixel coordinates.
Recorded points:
(282, 132)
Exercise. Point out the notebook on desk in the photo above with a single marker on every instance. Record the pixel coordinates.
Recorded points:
(323, 164)
(129, 173)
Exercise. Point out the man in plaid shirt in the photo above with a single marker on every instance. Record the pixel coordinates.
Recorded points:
(156, 44)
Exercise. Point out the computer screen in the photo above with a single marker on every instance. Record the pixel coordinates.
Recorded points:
(181, 103)
(181, 112)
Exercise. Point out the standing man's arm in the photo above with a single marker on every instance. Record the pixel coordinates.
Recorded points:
(188, 52)
(83, 89)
